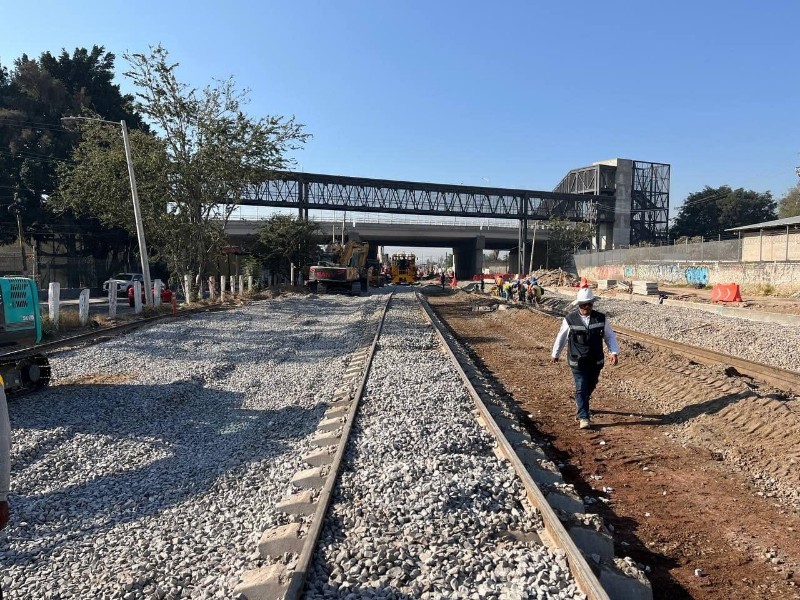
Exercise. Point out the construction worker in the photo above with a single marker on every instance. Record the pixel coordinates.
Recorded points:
(584, 331)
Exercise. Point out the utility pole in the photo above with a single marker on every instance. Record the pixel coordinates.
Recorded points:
(17, 207)
(137, 213)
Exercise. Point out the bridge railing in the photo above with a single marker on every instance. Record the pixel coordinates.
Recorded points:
(252, 213)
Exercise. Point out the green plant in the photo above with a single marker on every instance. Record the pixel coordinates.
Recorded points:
(765, 289)
(67, 319)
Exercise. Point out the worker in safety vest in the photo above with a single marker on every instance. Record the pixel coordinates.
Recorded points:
(584, 332)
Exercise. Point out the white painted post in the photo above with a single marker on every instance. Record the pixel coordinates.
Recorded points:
(137, 297)
(786, 257)
(222, 288)
(53, 301)
(241, 285)
(250, 277)
(212, 292)
(187, 283)
(158, 287)
(233, 285)
(291, 274)
(112, 300)
(83, 307)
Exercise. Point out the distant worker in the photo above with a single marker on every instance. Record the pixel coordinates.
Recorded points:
(483, 284)
(441, 279)
(584, 331)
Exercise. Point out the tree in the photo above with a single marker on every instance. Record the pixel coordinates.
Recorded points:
(789, 204)
(710, 212)
(206, 155)
(283, 240)
(98, 173)
(33, 98)
(564, 239)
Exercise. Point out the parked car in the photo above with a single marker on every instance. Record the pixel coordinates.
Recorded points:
(123, 281)
(166, 295)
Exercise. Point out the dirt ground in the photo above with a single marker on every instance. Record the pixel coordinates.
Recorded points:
(700, 470)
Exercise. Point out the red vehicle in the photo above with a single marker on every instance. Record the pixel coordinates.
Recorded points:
(166, 296)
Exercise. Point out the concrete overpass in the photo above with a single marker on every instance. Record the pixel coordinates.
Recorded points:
(466, 241)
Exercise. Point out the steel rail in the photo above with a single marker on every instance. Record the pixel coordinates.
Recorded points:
(587, 581)
(783, 379)
(298, 577)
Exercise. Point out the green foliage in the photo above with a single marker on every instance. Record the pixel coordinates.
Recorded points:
(789, 204)
(564, 239)
(713, 210)
(34, 95)
(96, 182)
(206, 155)
(283, 240)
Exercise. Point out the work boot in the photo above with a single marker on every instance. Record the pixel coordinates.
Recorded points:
(584, 424)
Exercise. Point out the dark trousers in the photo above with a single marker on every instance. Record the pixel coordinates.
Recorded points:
(585, 382)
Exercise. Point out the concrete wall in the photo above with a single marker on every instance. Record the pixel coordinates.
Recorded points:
(784, 277)
(771, 247)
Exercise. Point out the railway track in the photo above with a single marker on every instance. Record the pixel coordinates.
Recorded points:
(416, 489)
(783, 379)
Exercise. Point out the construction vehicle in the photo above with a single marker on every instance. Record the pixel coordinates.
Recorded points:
(341, 269)
(375, 276)
(404, 268)
(21, 327)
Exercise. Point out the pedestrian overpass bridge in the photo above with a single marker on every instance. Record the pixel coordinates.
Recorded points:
(626, 200)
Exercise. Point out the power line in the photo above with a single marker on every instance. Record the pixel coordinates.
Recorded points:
(41, 157)
(31, 124)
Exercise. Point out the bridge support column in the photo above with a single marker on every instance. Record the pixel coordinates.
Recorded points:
(469, 258)
(604, 233)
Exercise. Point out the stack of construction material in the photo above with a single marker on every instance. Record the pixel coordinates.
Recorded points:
(645, 288)
(606, 284)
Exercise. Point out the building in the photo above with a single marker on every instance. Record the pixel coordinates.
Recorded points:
(770, 241)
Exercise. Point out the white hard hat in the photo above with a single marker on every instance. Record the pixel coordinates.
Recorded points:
(585, 295)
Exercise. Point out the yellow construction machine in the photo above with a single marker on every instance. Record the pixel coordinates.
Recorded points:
(341, 269)
(404, 268)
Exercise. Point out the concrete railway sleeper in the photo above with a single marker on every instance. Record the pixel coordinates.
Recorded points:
(441, 494)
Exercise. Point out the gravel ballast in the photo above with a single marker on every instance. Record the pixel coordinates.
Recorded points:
(153, 465)
(423, 508)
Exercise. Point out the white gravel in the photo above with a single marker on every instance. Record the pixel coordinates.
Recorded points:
(155, 473)
(768, 343)
(424, 509)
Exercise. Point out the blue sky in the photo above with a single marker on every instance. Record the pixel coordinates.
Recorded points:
(514, 94)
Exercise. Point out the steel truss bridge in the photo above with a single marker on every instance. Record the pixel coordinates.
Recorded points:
(305, 191)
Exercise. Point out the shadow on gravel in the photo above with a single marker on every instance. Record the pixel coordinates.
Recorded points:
(180, 439)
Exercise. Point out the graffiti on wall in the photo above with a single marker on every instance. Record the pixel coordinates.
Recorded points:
(785, 277)
(697, 276)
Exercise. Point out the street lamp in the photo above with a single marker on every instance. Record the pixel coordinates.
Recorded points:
(137, 213)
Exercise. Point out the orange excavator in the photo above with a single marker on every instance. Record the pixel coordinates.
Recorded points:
(341, 269)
